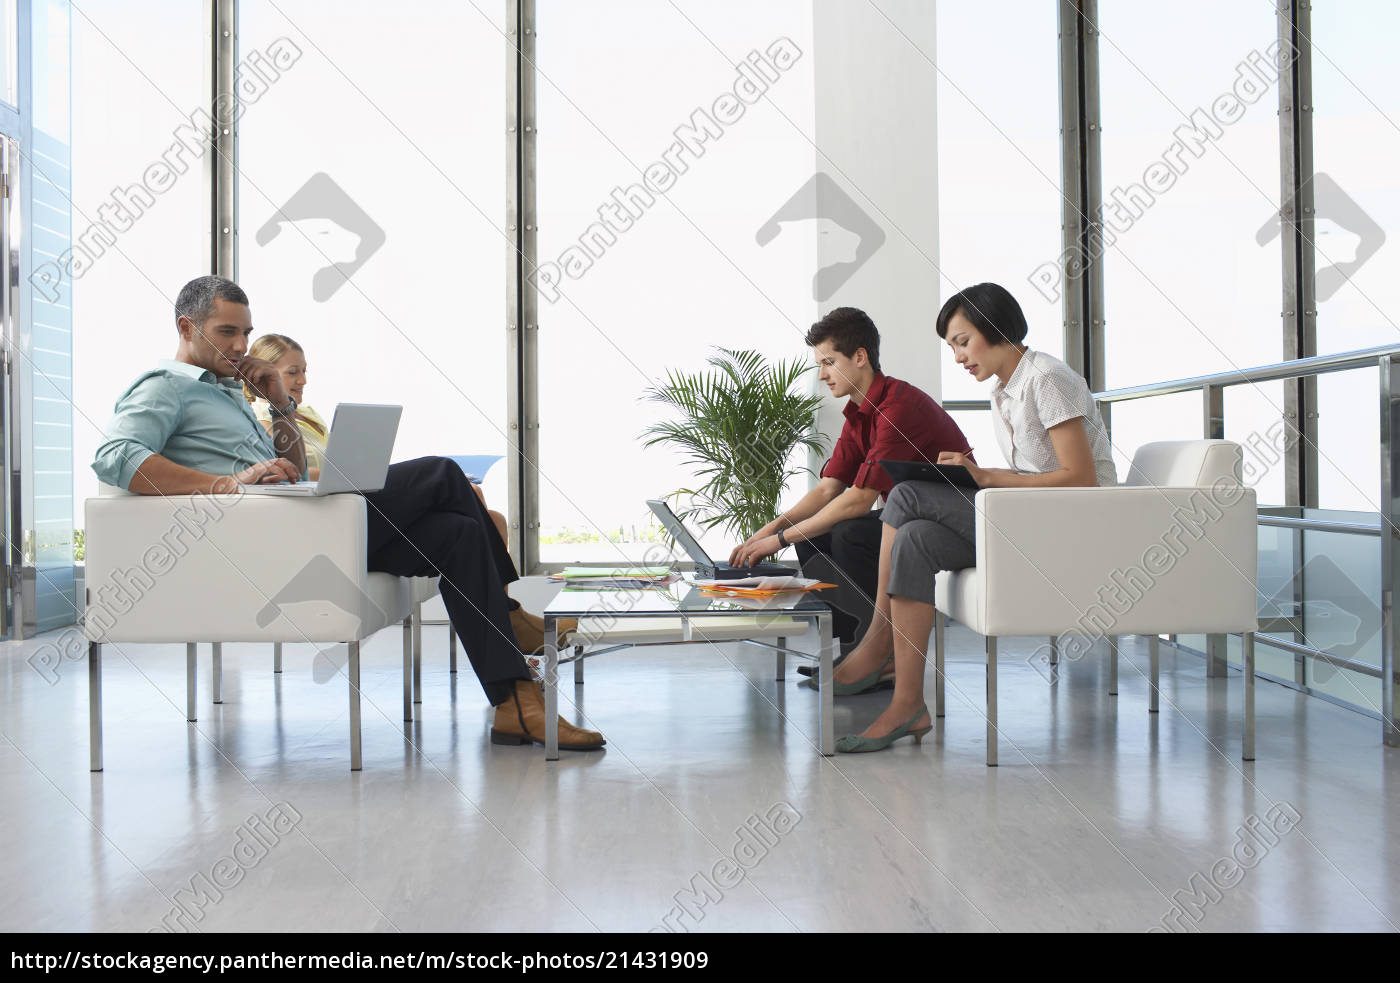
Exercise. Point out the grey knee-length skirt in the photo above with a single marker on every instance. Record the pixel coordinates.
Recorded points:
(937, 525)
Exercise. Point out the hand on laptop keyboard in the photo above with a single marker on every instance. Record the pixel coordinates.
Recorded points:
(277, 470)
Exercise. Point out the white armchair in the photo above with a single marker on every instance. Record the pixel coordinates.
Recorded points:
(1174, 549)
(232, 568)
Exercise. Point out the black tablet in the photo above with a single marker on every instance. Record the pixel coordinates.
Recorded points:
(952, 474)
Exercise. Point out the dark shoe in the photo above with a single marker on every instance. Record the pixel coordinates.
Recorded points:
(520, 720)
(846, 649)
(876, 680)
(529, 630)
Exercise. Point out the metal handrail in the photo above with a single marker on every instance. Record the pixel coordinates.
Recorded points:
(1292, 369)
(1341, 662)
(1319, 525)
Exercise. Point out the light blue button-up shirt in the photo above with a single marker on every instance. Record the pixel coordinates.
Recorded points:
(187, 415)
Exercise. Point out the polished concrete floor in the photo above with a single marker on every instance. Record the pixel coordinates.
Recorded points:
(1097, 819)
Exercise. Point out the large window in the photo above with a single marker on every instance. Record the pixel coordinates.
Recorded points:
(42, 375)
(998, 177)
(1356, 191)
(371, 209)
(680, 266)
(140, 208)
(1192, 265)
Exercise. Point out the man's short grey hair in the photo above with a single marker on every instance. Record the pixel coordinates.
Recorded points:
(196, 300)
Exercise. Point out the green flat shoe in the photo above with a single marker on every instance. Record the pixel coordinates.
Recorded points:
(866, 684)
(855, 744)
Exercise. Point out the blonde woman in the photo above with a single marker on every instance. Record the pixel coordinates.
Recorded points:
(290, 360)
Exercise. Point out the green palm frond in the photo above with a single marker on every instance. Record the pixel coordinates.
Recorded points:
(737, 426)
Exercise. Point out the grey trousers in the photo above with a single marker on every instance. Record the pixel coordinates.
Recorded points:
(937, 526)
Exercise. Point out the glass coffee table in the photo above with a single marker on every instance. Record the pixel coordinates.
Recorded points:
(678, 614)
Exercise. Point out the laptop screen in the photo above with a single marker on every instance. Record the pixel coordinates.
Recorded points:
(679, 532)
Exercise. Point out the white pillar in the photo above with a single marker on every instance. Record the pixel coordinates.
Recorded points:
(877, 141)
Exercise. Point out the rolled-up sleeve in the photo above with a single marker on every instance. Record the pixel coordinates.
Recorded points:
(899, 432)
(845, 456)
(142, 423)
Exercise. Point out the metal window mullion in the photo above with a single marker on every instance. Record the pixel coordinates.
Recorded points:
(18, 606)
(1094, 319)
(221, 163)
(23, 603)
(1299, 258)
(522, 315)
(1071, 185)
(1081, 183)
(1390, 550)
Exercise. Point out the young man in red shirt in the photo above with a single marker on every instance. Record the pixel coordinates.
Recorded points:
(834, 528)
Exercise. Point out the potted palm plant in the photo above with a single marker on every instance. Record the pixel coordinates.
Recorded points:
(737, 424)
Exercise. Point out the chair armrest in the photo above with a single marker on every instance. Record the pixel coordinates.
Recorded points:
(1116, 561)
(228, 568)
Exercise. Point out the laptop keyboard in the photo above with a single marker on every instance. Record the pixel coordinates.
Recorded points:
(301, 488)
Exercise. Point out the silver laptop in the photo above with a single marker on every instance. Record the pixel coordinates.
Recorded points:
(357, 453)
(706, 568)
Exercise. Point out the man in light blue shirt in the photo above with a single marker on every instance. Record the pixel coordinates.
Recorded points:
(185, 410)
(185, 428)
(191, 410)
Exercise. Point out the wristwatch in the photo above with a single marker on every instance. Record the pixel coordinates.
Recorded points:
(291, 410)
(783, 539)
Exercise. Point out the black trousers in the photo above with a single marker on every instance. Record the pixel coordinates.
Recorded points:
(849, 557)
(428, 522)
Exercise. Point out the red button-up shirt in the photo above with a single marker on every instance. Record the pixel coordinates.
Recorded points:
(895, 422)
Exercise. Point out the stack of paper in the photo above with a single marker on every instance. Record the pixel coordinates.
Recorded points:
(613, 578)
(761, 586)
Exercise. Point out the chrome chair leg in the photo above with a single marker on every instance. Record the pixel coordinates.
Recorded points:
(1112, 665)
(95, 705)
(451, 648)
(417, 653)
(1054, 650)
(407, 668)
(191, 667)
(276, 656)
(218, 674)
(1248, 644)
(551, 688)
(991, 701)
(1154, 671)
(939, 622)
(353, 671)
(782, 659)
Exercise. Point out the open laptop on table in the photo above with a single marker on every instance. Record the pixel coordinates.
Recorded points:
(357, 453)
(705, 568)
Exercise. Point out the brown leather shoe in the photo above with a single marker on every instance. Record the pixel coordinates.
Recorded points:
(529, 630)
(520, 720)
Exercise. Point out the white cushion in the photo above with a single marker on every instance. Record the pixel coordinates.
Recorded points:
(1185, 463)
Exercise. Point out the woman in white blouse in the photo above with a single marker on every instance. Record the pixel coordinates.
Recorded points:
(1050, 431)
